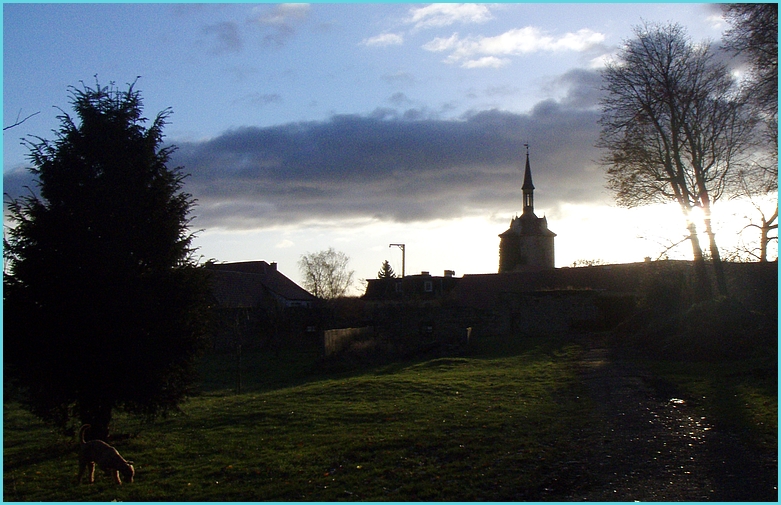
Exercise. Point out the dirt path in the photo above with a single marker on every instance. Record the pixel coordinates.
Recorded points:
(656, 447)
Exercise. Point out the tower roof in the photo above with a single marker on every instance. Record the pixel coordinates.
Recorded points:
(527, 176)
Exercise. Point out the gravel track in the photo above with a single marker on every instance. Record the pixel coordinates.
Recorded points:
(658, 447)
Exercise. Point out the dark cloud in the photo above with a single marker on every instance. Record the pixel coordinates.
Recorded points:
(18, 182)
(391, 165)
(501, 91)
(391, 169)
(260, 99)
(713, 9)
(278, 23)
(405, 78)
(399, 98)
(279, 35)
(227, 37)
(582, 87)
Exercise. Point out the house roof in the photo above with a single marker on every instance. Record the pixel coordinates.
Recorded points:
(410, 285)
(482, 290)
(247, 283)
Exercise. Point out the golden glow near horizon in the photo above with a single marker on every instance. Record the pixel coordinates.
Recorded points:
(471, 245)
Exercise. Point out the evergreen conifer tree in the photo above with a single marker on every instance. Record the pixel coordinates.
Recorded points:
(105, 308)
(386, 272)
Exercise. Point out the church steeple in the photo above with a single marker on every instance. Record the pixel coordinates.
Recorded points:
(528, 244)
(528, 187)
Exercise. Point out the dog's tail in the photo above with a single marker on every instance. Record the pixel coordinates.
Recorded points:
(81, 433)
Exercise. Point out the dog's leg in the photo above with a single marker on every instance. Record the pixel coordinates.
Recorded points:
(91, 472)
(116, 477)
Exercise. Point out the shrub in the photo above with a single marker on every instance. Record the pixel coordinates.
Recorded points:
(714, 330)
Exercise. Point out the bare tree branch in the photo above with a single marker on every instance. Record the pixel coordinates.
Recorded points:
(674, 128)
(18, 121)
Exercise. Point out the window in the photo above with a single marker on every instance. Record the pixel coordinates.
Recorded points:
(428, 286)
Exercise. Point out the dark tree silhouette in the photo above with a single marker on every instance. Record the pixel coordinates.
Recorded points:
(386, 272)
(105, 308)
(754, 35)
(674, 128)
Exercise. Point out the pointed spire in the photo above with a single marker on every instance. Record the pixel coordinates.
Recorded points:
(527, 176)
(528, 187)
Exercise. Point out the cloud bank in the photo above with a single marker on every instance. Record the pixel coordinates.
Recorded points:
(393, 166)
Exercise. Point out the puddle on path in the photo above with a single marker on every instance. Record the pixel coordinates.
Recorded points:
(652, 447)
(662, 448)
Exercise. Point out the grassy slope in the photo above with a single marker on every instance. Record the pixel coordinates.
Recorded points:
(501, 425)
(493, 428)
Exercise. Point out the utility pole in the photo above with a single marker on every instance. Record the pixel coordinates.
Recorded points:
(403, 257)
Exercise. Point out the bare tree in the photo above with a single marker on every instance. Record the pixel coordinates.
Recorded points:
(754, 35)
(325, 273)
(754, 186)
(673, 128)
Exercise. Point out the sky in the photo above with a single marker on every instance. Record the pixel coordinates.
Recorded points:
(357, 126)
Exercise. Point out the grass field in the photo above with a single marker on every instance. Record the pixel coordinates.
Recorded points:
(497, 424)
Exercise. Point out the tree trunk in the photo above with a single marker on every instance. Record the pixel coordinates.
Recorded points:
(702, 287)
(767, 226)
(718, 266)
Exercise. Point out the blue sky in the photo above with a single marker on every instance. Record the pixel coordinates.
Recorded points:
(353, 126)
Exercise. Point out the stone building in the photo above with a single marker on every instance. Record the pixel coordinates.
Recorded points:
(256, 306)
(419, 287)
(528, 244)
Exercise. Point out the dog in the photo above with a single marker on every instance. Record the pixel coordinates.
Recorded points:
(107, 458)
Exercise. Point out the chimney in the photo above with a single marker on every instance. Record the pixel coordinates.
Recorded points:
(450, 273)
(273, 266)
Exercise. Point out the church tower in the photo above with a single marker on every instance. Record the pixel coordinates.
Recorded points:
(528, 243)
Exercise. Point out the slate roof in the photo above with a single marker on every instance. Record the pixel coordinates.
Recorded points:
(249, 283)
(482, 290)
(528, 225)
(527, 175)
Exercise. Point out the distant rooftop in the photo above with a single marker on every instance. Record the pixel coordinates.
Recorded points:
(242, 284)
